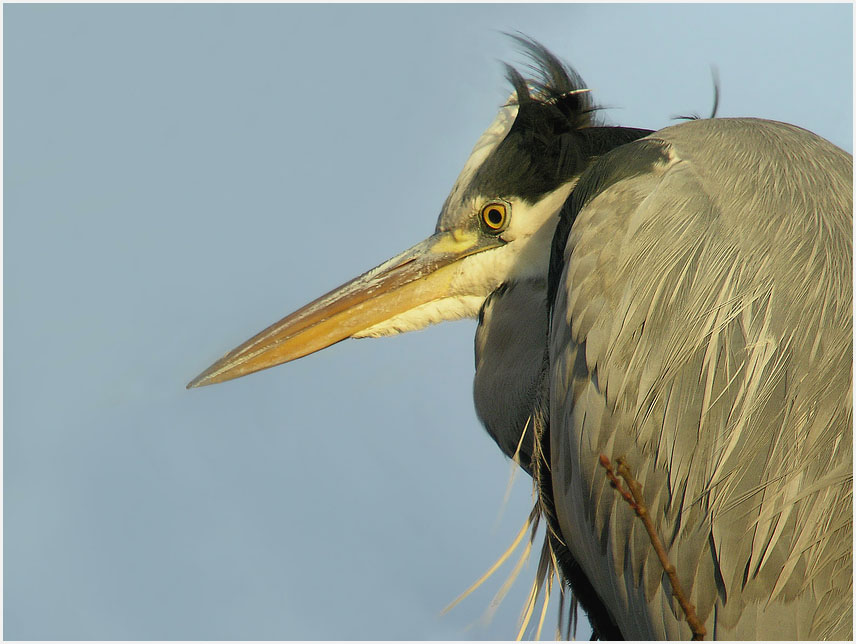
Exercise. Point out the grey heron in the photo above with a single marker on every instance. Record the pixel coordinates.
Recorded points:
(680, 298)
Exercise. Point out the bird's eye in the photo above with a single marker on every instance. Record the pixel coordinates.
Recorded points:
(494, 216)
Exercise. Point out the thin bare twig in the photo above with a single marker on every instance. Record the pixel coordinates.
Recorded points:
(636, 501)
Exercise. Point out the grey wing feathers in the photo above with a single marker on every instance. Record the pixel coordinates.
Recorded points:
(702, 329)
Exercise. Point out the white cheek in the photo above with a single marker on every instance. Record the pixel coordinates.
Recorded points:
(529, 219)
(482, 273)
(450, 308)
(530, 234)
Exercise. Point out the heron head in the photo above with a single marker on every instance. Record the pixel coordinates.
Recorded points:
(496, 225)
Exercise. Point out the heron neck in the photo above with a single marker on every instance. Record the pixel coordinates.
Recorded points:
(509, 350)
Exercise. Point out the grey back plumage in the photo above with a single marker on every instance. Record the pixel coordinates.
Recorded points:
(701, 327)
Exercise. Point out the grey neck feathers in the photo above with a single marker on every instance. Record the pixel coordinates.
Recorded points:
(510, 344)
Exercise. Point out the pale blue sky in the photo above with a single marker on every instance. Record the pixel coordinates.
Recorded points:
(177, 178)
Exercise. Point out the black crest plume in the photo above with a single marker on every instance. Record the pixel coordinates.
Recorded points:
(553, 135)
(561, 102)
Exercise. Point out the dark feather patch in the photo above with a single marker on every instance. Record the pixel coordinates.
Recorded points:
(556, 85)
(552, 138)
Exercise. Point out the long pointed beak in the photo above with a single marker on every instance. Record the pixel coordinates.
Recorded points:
(419, 275)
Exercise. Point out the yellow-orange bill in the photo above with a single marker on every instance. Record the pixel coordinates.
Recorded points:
(418, 275)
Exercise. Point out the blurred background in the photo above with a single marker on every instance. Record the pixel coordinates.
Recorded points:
(177, 177)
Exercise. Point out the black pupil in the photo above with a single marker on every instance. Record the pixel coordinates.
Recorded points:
(494, 216)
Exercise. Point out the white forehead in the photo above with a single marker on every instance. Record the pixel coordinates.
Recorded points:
(492, 137)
